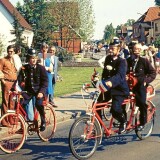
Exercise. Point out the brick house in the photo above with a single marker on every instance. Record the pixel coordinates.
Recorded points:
(125, 33)
(67, 35)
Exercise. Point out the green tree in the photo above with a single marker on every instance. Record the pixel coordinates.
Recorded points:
(157, 42)
(109, 33)
(17, 31)
(36, 13)
(87, 19)
(129, 22)
(157, 2)
(1, 44)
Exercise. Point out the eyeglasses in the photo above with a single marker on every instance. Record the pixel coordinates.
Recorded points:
(52, 50)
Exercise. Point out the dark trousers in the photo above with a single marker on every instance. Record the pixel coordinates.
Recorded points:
(140, 96)
(116, 108)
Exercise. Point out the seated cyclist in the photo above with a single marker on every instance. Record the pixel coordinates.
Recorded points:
(145, 74)
(114, 85)
(33, 79)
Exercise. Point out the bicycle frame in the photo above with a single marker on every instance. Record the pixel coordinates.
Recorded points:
(18, 107)
(108, 130)
(87, 131)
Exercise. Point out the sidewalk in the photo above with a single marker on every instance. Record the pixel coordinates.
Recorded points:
(73, 105)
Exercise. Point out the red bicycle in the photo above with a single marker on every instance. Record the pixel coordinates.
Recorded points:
(87, 131)
(12, 136)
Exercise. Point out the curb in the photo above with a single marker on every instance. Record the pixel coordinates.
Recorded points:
(68, 115)
(63, 116)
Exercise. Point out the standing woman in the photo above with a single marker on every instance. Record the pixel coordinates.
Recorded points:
(45, 60)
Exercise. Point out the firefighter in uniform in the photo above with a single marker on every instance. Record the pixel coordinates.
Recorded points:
(33, 79)
(144, 72)
(114, 85)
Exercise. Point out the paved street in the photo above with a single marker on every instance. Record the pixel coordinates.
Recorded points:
(126, 146)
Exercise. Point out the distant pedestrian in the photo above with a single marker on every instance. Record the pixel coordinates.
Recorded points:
(124, 52)
(157, 61)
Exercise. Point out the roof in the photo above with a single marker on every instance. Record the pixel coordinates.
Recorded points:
(152, 14)
(11, 9)
(144, 25)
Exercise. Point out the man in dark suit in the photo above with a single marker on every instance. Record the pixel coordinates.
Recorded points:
(144, 72)
(113, 84)
(33, 79)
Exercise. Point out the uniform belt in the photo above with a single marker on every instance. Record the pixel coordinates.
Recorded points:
(10, 80)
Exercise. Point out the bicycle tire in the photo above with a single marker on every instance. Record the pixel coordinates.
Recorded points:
(107, 114)
(50, 117)
(81, 147)
(147, 131)
(12, 137)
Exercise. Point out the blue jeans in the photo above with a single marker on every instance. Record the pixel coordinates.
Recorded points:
(34, 102)
(29, 108)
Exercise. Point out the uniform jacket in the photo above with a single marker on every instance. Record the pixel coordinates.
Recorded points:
(38, 84)
(142, 69)
(116, 75)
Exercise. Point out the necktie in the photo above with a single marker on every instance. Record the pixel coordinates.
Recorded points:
(135, 64)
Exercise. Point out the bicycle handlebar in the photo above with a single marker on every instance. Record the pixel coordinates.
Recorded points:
(17, 92)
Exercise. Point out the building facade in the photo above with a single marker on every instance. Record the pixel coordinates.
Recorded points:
(7, 11)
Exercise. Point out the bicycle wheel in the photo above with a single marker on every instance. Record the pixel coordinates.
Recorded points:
(12, 135)
(50, 118)
(82, 143)
(107, 114)
(146, 132)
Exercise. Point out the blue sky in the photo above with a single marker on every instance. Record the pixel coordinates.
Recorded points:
(114, 11)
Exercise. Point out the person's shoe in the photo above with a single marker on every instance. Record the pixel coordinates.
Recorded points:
(122, 128)
(116, 124)
(43, 127)
(53, 104)
(140, 127)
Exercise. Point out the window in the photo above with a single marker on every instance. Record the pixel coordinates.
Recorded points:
(156, 27)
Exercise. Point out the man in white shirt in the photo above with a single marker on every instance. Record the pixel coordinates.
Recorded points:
(16, 58)
(54, 61)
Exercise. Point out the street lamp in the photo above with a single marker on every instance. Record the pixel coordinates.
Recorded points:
(151, 23)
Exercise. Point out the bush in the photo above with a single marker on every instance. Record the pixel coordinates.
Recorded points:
(63, 54)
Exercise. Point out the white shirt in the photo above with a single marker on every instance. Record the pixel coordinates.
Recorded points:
(101, 61)
(17, 62)
(42, 60)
